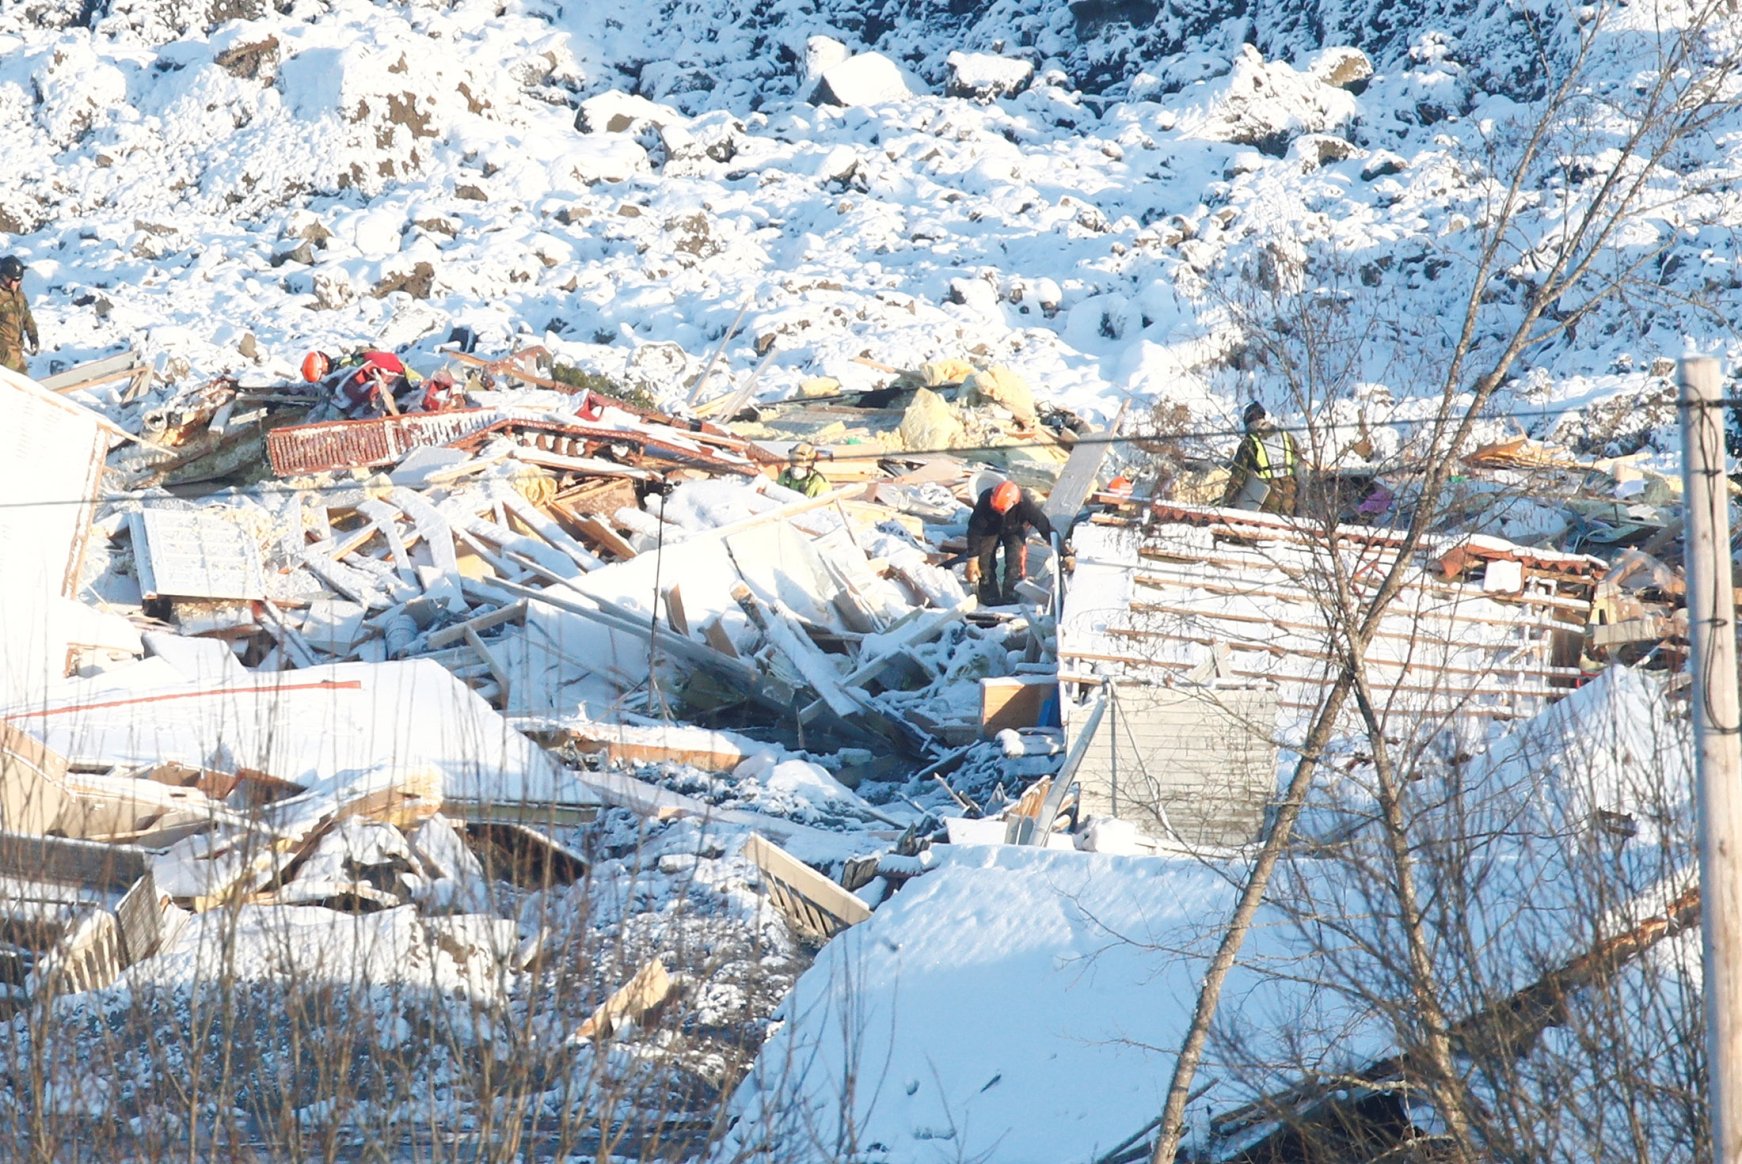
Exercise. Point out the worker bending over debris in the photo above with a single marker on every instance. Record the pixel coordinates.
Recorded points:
(1266, 470)
(373, 383)
(1003, 516)
(800, 474)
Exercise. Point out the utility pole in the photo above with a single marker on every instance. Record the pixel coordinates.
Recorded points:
(1717, 742)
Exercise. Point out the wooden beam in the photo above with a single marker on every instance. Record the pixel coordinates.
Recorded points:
(812, 904)
(632, 1002)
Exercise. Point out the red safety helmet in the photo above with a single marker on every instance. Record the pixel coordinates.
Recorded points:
(1005, 497)
(315, 365)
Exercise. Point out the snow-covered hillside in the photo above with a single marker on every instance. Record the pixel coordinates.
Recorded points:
(1117, 201)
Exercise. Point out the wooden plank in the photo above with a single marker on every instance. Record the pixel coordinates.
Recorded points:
(1022, 820)
(522, 812)
(139, 920)
(497, 671)
(447, 636)
(716, 637)
(91, 864)
(1082, 468)
(631, 1002)
(547, 528)
(32, 782)
(811, 903)
(591, 466)
(91, 373)
(674, 611)
(818, 671)
(606, 537)
(623, 751)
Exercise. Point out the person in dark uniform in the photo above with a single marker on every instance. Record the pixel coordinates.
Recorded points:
(1002, 518)
(17, 326)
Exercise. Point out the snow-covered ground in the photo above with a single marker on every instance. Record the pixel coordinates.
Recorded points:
(606, 181)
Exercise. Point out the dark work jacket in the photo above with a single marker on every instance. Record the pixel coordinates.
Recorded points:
(987, 527)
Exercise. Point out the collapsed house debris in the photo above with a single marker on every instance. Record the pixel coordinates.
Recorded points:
(402, 663)
(546, 584)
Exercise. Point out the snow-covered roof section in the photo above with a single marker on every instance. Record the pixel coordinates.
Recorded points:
(1156, 601)
(301, 726)
(1015, 1004)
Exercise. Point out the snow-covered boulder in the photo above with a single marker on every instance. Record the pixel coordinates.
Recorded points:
(821, 53)
(1267, 104)
(77, 89)
(1312, 150)
(715, 135)
(619, 112)
(984, 76)
(866, 79)
(605, 158)
(1342, 66)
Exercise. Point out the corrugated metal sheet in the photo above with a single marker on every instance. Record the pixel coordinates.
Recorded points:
(360, 444)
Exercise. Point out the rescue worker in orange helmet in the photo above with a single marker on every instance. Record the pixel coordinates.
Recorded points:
(1003, 517)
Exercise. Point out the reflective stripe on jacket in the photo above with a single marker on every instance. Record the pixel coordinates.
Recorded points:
(1262, 449)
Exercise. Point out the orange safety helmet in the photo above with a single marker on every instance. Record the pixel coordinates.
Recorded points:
(315, 365)
(1005, 497)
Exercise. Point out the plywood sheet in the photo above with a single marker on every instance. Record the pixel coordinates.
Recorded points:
(1197, 766)
(196, 553)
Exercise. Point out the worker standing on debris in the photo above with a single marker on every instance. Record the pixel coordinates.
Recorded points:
(1265, 474)
(800, 474)
(17, 325)
(1002, 517)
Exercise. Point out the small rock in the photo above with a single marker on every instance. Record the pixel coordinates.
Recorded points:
(470, 194)
(985, 77)
(333, 290)
(248, 347)
(417, 283)
(1313, 150)
(1382, 164)
(1342, 66)
(303, 252)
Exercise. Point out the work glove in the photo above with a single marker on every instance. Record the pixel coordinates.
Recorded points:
(972, 573)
